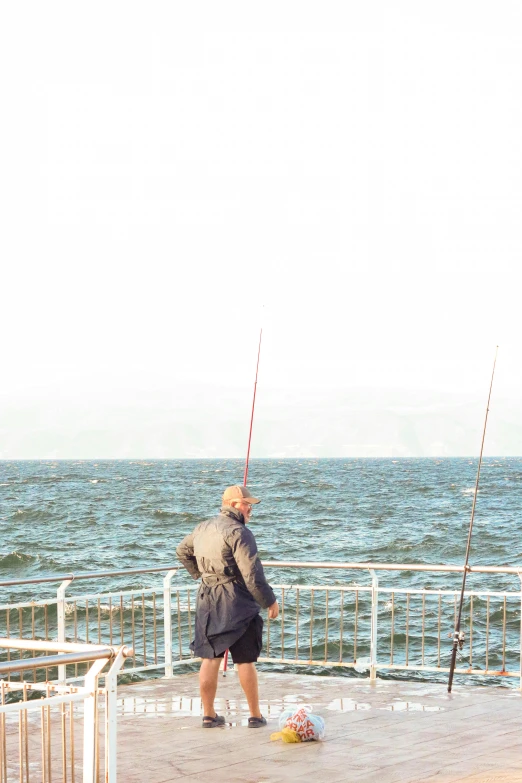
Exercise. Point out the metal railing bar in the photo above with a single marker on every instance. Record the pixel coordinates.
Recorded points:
(71, 736)
(432, 567)
(151, 667)
(42, 734)
(99, 621)
(489, 672)
(110, 620)
(125, 593)
(341, 622)
(268, 635)
(57, 688)
(392, 632)
(154, 629)
(56, 660)
(140, 621)
(283, 622)
(121, 619)
(90, 575)
(34, 704)
(504, 636)
(326, 628)
(487, 632)
(407, 625)
(189, 617)
(297, 624)
(26, 738)
(290, 588)
(20, 746)
(49, 738)
(307, 662)
(423, 626)
(133, 625)
(312, 622)
(62, 647)
(64, 742)
(452, 593)
(356, 620)
(390, 566)
(3, 755)
(179, 626)
(336, 588)
(438, 629)
(76, 633)
(470, 631)
(143, 625)
(27, 604)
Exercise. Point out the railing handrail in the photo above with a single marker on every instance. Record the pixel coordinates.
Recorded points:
(433, 567)
(68, 652)
(46, 645)
(98, 657)
(91, 575)
(392, 566)
(44, 661)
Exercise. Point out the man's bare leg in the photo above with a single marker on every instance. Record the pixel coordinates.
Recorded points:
(208, 680)
(248, 679)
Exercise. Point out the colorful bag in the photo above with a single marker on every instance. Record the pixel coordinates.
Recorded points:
(299, 725)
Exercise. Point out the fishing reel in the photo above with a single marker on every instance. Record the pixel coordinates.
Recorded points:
(459, 638)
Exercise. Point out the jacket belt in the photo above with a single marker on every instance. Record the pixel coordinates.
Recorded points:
(216, 579)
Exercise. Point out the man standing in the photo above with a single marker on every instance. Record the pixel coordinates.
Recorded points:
(223, 552)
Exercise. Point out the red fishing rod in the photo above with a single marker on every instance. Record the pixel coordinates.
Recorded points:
(245, 475)
(253, 408)
(458, 636)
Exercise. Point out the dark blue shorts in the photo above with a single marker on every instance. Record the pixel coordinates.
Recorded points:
(247, 648)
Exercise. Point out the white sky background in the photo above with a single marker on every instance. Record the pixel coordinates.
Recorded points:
(175, 175)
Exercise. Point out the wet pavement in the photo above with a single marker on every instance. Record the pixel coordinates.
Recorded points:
(386, 732)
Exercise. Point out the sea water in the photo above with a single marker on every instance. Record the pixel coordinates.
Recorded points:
(85, 516)
(61, 516)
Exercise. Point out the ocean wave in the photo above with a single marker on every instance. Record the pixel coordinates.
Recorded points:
(33, 515)
(16, 559)
(159, 512)
(339, 513)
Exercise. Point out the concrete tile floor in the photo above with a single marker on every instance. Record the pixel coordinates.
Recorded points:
(390, 731)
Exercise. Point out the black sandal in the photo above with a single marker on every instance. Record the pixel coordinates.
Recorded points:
(211, 723)
(256, 723)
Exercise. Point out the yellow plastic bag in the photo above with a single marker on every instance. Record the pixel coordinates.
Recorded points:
(287, 735)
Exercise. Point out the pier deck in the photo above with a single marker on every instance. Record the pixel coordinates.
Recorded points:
(390, 731)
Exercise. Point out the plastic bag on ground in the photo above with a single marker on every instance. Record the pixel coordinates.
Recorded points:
(299, 725)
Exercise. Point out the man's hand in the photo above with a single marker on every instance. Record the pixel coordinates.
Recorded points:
(273, 610)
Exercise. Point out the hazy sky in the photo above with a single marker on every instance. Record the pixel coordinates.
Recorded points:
(175, 175)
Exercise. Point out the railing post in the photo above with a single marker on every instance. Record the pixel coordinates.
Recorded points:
(520, 577)
(90, 722)
(373, 629)
(111, 708)
(167, 622)
(60, 609)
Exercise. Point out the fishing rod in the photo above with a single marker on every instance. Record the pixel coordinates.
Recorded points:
(245, 475)
(458, 636)
(253, 408)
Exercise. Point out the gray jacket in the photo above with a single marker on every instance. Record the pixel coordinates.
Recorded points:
(222, 550)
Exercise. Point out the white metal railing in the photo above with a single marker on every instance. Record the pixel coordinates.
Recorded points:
(369, 627)
(39, 735)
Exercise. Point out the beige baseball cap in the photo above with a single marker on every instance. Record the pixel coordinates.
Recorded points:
(239, 493)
